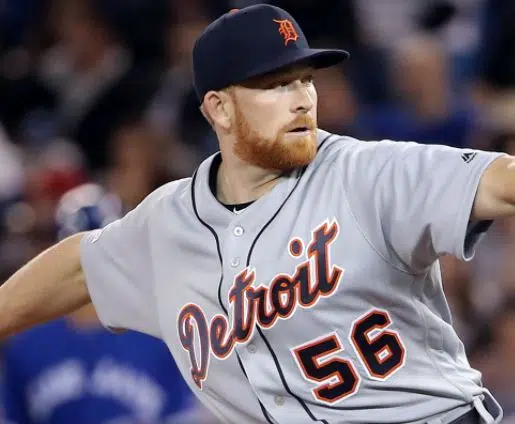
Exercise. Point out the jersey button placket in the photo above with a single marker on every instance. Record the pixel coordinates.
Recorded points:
(238, 231)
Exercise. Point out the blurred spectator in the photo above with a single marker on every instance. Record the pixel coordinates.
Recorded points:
(28, 218)
(53, 171)
(382, 25)
(12, 176)
(459, 32)
(138, 164)
(192, 10)
(338, 106)
(424, 109)
(82, 87)
(75, 371)
(97, 84)
(12, 185)
(141, 26)
(72, 370)
(386, 23)
(19, 21)
(496, 55)
(173, 114)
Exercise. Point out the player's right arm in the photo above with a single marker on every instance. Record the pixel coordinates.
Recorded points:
(49, 286)
(112, 267)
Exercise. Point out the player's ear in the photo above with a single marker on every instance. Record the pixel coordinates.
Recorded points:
(217, 109)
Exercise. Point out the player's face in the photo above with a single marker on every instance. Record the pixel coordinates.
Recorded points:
(275, 120)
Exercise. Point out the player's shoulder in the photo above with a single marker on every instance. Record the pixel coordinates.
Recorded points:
(164, 194)
(341, 148)
(168, 190)
(337, 144)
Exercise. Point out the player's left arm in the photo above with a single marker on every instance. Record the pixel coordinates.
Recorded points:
(495, 196)
(417, 202)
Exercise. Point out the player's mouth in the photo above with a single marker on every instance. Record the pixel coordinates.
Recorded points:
(300, 131)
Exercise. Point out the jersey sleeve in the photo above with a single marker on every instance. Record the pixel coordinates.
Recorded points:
(117, 266)
(414, 201)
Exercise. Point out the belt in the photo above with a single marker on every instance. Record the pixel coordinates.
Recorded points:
(483, 410)
(470, 417)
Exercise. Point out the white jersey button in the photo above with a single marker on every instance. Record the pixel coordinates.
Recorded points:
(238, 231)
(235, 262)
(252, 348)
(279, 400)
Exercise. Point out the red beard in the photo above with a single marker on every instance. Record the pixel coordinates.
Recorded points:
(279, 153)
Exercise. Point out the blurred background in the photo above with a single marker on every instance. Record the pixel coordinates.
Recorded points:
(99, 91)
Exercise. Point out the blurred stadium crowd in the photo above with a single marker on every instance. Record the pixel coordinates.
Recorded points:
(100, 91)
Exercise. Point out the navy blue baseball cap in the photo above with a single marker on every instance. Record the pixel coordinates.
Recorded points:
(250, 42)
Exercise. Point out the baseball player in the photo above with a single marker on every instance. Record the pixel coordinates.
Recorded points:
(295, 276)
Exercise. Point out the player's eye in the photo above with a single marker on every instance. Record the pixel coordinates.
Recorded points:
(282, 83)
(275, 84)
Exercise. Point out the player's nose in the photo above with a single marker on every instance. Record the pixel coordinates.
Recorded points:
(303, 100)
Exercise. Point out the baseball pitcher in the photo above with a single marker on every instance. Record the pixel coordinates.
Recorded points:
(295, 276)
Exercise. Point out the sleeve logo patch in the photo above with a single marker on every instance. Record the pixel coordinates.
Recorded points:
(468, 157)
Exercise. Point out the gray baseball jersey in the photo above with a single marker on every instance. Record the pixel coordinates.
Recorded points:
(320, 302)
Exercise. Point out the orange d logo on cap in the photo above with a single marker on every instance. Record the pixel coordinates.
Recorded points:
(287, 30)
(252, 42)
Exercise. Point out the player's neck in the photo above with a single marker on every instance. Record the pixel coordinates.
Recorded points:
(239, 182)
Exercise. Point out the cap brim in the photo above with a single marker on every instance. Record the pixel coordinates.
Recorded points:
(324, 58)
(318, 58)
